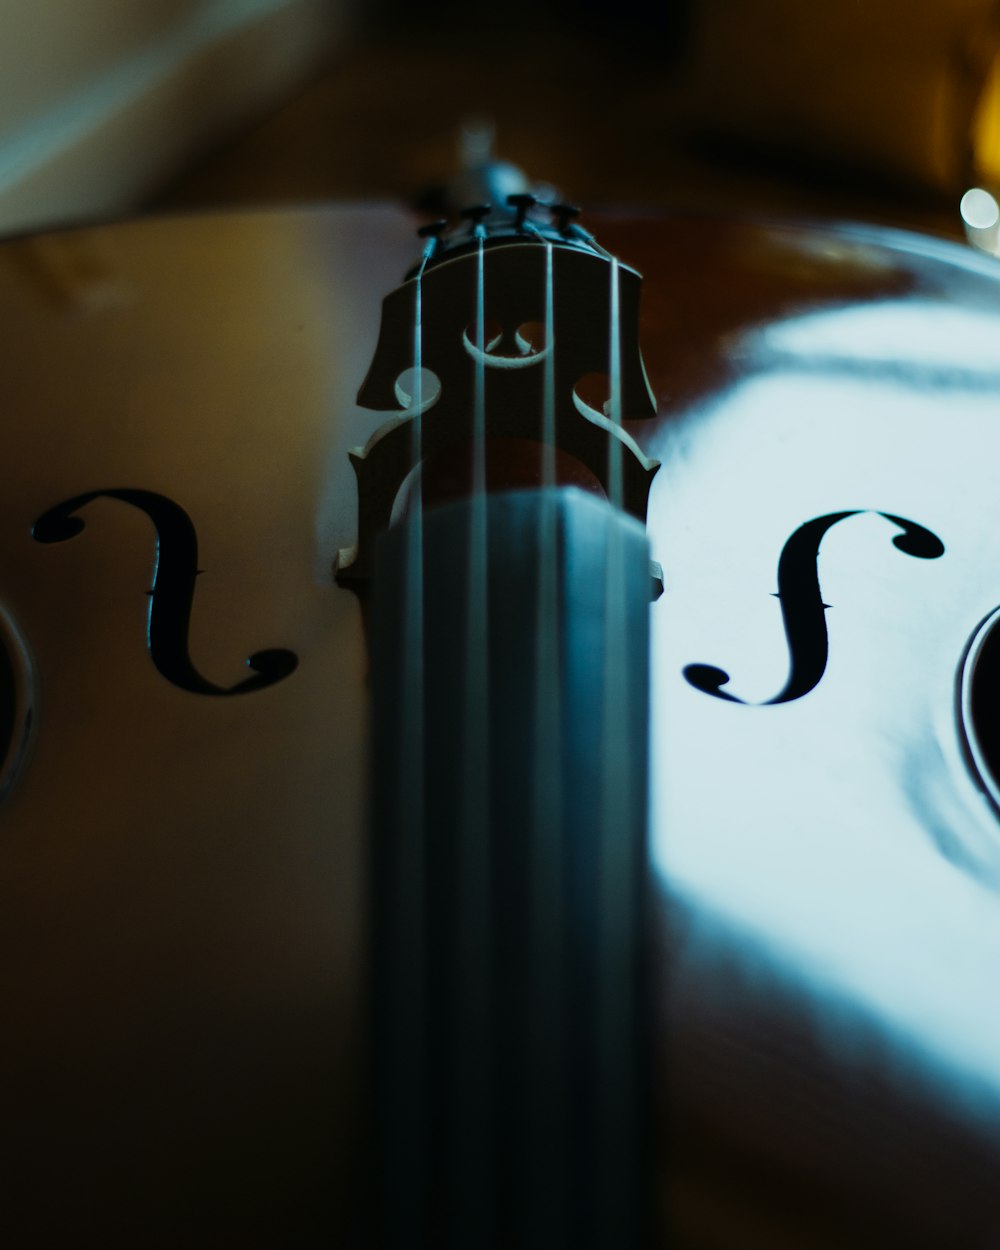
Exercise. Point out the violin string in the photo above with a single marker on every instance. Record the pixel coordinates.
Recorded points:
(405, 1095)
(546, 1157)
(546, 1140)
(479, 384)
(471, 1130)
(548, 432)
(549, 377)
(616, 1116)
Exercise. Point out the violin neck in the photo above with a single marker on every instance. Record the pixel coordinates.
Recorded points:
(509, 892)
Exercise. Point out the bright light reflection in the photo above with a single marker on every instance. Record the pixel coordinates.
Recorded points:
(920, 334)
(979, 209)
(802, 840)
(981, 217)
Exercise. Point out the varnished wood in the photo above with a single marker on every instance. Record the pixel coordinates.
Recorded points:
(181, 876)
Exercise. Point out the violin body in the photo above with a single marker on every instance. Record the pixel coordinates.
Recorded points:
(183, 879)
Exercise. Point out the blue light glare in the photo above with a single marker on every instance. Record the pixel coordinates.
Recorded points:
(836, 848)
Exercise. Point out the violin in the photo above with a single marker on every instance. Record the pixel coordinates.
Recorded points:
(551, 799)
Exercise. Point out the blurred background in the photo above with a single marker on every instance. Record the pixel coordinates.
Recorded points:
(884, 112)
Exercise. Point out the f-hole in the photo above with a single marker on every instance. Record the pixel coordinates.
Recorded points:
(171, 596)
(803, 611)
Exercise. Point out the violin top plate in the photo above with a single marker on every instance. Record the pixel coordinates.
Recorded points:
(182, 865)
